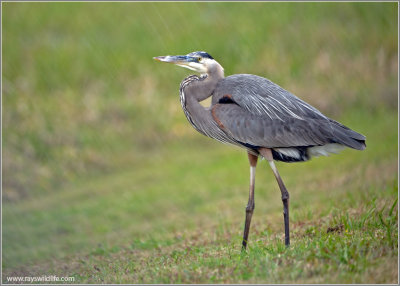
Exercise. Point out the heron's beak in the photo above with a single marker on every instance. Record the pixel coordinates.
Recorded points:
(178, 60)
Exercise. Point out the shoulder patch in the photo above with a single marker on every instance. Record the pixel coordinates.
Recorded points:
(215, 116)
(227, 98)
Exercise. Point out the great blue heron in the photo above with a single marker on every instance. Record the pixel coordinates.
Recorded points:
(258, 115)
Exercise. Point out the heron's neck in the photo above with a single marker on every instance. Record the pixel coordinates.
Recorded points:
(193, 90)
(200, 88)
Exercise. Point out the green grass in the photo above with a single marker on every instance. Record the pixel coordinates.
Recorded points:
(104, 179)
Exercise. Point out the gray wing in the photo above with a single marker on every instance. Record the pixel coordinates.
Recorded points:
(261, 96)
(255, 111)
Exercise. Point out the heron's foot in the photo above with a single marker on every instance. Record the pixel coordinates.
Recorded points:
(244, 249)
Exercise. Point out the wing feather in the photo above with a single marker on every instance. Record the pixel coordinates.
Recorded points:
(262, 131)
(261, 96)
(261, 113)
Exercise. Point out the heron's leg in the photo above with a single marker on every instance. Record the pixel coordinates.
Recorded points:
(250, 204)
(267, 154)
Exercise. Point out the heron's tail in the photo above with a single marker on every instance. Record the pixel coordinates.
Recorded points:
(345, 136)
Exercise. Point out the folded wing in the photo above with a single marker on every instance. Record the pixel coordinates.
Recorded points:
(256, 112)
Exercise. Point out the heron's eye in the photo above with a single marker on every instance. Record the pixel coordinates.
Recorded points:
(199, 59)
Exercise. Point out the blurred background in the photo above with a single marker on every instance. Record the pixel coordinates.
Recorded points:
(96, 148)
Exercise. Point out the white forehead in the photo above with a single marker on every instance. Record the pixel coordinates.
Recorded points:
(203, 66)
(207, 61)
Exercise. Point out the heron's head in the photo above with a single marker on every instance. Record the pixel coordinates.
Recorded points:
(200, 62)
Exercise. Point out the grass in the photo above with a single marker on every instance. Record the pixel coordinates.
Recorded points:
(104, 180)
(168, 223)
